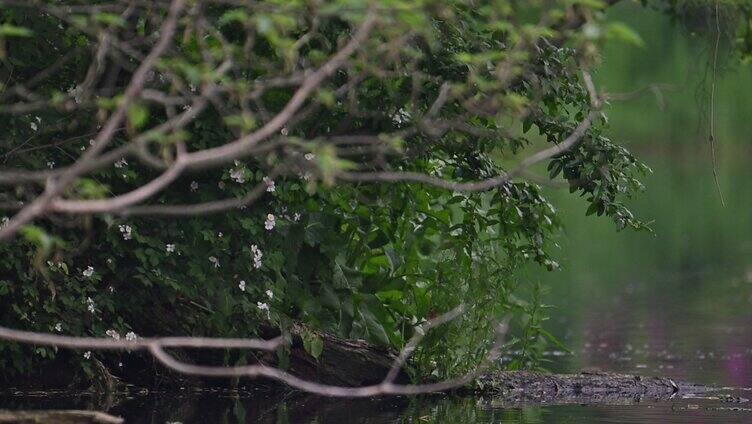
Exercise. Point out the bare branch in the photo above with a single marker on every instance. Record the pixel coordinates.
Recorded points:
(420, 333)
(156, 347)
(487, 184)
(107, 343)
(40, 204)
(238, 148)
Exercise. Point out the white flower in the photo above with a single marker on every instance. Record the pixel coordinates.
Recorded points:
(59, 327)
(4, 221)
(50, 164)
(170, 247)
(241, 285)
(309, 156)
(111, 289)
(257, 255)
(126, 230)
(194, 186)
(121, 163)
(264, 307)
(270, 222)
(187, 108)
(220, 235)
(221, 185)
(90, 305)
(284, 131)
(238, 175)
(296, 217)
(270, 294)
(112, 333)
(87, 354)
(192, 87)
(34, 126)
(130, 336)
(88, 272)
(401, 116)
(214, 261)
(307, 176)
(269, 184)
(76, 93)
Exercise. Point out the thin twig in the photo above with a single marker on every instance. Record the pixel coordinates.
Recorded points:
(711, 123)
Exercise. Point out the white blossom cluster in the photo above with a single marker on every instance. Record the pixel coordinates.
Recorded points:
(88, 272)
(90, 305)
(238, 175)
(34, 125)
(126, 231)
(270, 187)
(257, 255)
(264, 307)
(270, 222)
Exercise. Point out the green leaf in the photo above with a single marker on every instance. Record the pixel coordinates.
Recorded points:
(110, 19)
(7, 30)
(234, 15)
(137, 115)
(622, 32)
(312, 343)
(36, 236)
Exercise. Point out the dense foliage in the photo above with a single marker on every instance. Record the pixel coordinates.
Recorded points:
(360, 260)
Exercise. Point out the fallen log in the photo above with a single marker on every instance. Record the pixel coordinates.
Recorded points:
(521, 387)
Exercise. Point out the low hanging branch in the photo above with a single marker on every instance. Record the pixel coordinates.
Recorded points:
(156, 347)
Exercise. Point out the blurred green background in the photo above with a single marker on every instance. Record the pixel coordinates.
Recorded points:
(685, 287)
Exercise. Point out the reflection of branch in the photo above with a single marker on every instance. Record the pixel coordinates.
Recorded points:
(156, 346)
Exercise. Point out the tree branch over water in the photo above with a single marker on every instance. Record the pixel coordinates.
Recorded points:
(272, 112)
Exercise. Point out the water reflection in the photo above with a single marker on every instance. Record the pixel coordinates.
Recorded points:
(279, 408)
